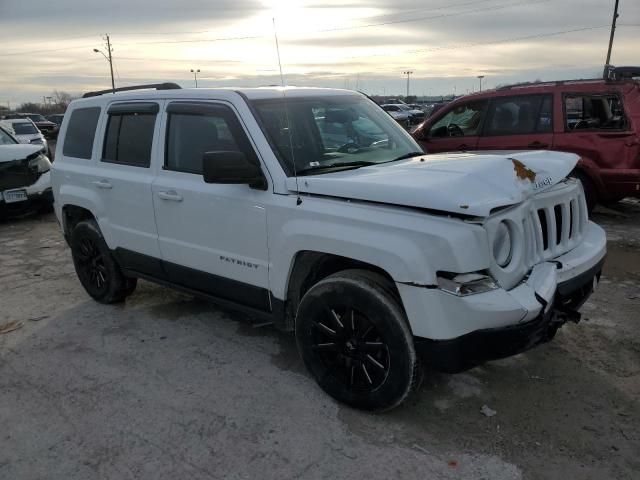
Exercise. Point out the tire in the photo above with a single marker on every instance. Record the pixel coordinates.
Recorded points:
(131, 284)
(97, 270)
(590, 194)
(363, 355)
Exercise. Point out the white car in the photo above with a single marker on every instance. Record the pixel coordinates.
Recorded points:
(400, 115)
(371, 252)
(27, 132)
(25, 182)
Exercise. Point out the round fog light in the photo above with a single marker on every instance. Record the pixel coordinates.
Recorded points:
(502, 245)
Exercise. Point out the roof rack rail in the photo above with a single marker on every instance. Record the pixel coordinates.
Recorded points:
(156, 86)
(611, 73)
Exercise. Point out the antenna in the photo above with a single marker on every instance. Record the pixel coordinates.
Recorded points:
(286, 113)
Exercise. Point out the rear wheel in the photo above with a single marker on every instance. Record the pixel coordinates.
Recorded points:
(354, 339)
(97, 270)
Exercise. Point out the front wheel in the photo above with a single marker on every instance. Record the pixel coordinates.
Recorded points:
(355, 341)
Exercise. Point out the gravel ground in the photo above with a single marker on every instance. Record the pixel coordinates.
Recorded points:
(167, 386)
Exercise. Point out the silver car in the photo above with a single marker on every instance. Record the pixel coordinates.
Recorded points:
(27, 132)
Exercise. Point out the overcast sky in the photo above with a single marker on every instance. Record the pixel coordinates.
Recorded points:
(48, 45)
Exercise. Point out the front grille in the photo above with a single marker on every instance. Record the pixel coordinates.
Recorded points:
(555, 224)
(544, 227)
(16, 174)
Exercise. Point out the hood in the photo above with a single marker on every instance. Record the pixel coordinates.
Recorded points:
(19, 151)
(462, 183)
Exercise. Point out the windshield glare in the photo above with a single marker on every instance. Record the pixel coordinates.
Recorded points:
(6, 139)
(24, 128)
(330, 131)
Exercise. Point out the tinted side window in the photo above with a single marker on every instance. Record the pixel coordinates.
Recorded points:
(520, 115)
(191, 134)
(593, 112)
(129, 138)
(81, 131)
(463, 120)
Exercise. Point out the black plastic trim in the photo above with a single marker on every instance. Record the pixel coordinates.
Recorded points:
(133, 107)
(212, 286)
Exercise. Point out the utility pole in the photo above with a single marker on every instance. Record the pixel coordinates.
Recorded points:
(613, 30)
(480, 77)
(408, 74)
(109, 50)
(109, 59)
(195, 75)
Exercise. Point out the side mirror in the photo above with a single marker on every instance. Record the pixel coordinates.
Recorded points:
(231, 167)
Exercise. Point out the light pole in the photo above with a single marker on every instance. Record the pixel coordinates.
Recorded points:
(480, 77)
(109, 59)
(408, 74)
(195, 75)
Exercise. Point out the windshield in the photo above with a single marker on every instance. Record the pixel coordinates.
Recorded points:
(6, 139)
(329, 132)
(24, 128)
(37, 118)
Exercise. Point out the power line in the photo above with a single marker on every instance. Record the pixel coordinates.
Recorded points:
(491, 42)
(433, 17)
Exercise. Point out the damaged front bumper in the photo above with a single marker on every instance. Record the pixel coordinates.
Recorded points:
(455, 333)
(479, 346)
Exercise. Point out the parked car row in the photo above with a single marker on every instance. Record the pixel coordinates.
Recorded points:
(24, 172)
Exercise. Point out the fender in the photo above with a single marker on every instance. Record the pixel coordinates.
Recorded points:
(70, 194)
(410, 246)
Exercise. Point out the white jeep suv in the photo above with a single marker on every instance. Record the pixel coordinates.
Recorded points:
(314, 209)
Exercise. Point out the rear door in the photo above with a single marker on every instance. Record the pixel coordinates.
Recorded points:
(213, 237)
(518, 122)
(456, 129)
(597, 127)
(122, 180)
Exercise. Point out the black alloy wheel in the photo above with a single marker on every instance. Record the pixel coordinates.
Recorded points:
(97, 269)
(351, 347)
(355, 340)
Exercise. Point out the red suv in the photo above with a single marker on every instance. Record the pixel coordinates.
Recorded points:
(596, 119)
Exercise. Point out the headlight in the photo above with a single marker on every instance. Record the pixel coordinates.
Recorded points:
(37, 140)
(463, 284)
(502, 244)
(41, 163)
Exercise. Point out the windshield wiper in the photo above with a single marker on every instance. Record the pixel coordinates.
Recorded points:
(337, 165)
(407, 155)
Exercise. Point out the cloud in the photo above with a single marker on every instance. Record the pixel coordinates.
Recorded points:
(445, 42)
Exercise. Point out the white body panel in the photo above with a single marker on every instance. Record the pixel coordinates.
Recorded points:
(411, 218)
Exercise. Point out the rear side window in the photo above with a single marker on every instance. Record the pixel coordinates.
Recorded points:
(81, 131)
(594, 112)
(522, 115)
(195, 129)
(129, 138)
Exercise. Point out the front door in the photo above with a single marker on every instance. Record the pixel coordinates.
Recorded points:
(456, 129)
(212, 237)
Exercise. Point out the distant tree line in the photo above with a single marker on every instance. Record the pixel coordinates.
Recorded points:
(59, 101)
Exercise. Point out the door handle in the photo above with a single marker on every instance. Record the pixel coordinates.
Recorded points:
(171, 195)
(103, 184)
(538, 145)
